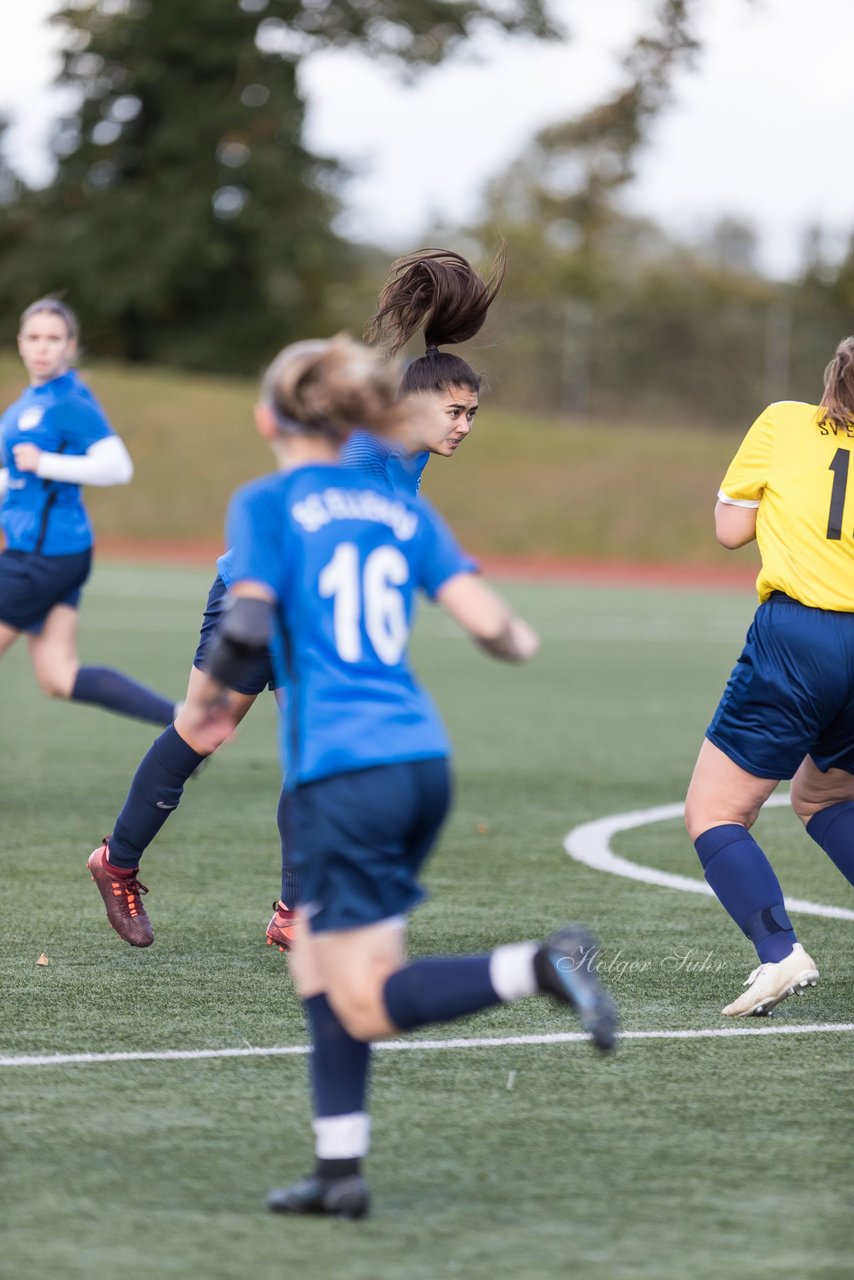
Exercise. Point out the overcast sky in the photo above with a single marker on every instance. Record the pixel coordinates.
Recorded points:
(760, 129)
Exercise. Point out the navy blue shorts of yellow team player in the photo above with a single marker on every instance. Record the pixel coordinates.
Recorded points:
(31, 585)
(358, 840)
(259, 674)
(791, 693)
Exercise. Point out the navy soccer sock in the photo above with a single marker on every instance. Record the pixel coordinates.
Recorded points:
(438, 989)
(339, 1083)
(290, 884)
(746, 887)
(154, 793)
(117, 692)
(833, 829)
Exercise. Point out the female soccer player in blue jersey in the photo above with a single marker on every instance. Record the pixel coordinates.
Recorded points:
(788, 709)
(434, 290)
(326, 565)
(438, 292)
(54, 439)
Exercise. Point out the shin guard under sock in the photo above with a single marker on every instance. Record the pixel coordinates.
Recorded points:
(438, 989)
(290, 884)
(339, 1079)
(154, 793)
(833, 829)
(744, 883)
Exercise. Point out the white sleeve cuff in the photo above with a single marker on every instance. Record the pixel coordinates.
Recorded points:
(735, 502)
(4, 480)
(106, 462)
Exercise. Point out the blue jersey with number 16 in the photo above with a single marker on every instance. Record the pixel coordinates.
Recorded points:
(344, 558)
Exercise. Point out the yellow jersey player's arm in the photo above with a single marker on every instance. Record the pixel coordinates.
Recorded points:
(735, 525)
(743, 485)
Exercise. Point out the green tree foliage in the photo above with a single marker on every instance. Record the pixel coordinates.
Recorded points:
(187, 221)
(603, 314)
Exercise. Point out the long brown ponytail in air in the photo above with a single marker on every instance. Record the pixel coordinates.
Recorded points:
(440, 292)
(838, 398)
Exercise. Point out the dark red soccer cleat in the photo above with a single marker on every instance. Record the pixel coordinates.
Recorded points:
(121, 892)
(280, 930)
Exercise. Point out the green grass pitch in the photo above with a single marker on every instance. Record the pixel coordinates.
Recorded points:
(701, 1158)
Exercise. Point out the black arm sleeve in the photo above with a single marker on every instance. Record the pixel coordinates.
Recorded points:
(243, 634)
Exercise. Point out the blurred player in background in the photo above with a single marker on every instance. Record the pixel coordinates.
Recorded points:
(54, 439)
(326, 565)
(438, 291)
(788, 709)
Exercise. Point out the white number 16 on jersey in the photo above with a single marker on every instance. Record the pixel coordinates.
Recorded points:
(376, 597)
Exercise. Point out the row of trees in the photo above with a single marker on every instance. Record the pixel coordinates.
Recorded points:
(187, 220)
(605, 314)
(189, 224)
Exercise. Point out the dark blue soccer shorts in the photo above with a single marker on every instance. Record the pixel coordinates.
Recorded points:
(358, 840)
(791, 693)
(260, 675)
(31, 585)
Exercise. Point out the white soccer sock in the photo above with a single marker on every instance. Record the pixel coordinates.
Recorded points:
(342, 1137)
(511, 970)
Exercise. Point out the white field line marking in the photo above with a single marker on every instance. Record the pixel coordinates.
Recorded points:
(493, 1042)
(591, 844)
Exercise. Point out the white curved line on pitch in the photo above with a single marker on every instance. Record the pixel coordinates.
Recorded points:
(591, 844)
(484, 1042)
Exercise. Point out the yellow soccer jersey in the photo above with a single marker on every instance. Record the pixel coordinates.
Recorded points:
(795, 470)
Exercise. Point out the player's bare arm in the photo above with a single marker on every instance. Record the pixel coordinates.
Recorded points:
(487, 618)
(735, 526)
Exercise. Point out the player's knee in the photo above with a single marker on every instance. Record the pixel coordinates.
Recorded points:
(807, 802)
(801, 804)
(360, 1010)
(54, 683)
(203, 743)
(700, 816)
(697, 816)
(359, 1023)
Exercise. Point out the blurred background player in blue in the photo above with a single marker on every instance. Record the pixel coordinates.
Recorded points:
(434, 290)
(788, 709)
(326, 565)
(54, 439)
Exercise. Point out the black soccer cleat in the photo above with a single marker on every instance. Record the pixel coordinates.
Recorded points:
(336, 1197)
(563, 967)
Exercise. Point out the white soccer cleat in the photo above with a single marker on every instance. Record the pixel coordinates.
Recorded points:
(770, 984)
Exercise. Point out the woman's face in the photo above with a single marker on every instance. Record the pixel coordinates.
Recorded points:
(45, 346)
(448, 420)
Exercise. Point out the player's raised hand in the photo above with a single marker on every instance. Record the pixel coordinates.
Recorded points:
(525, 641)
